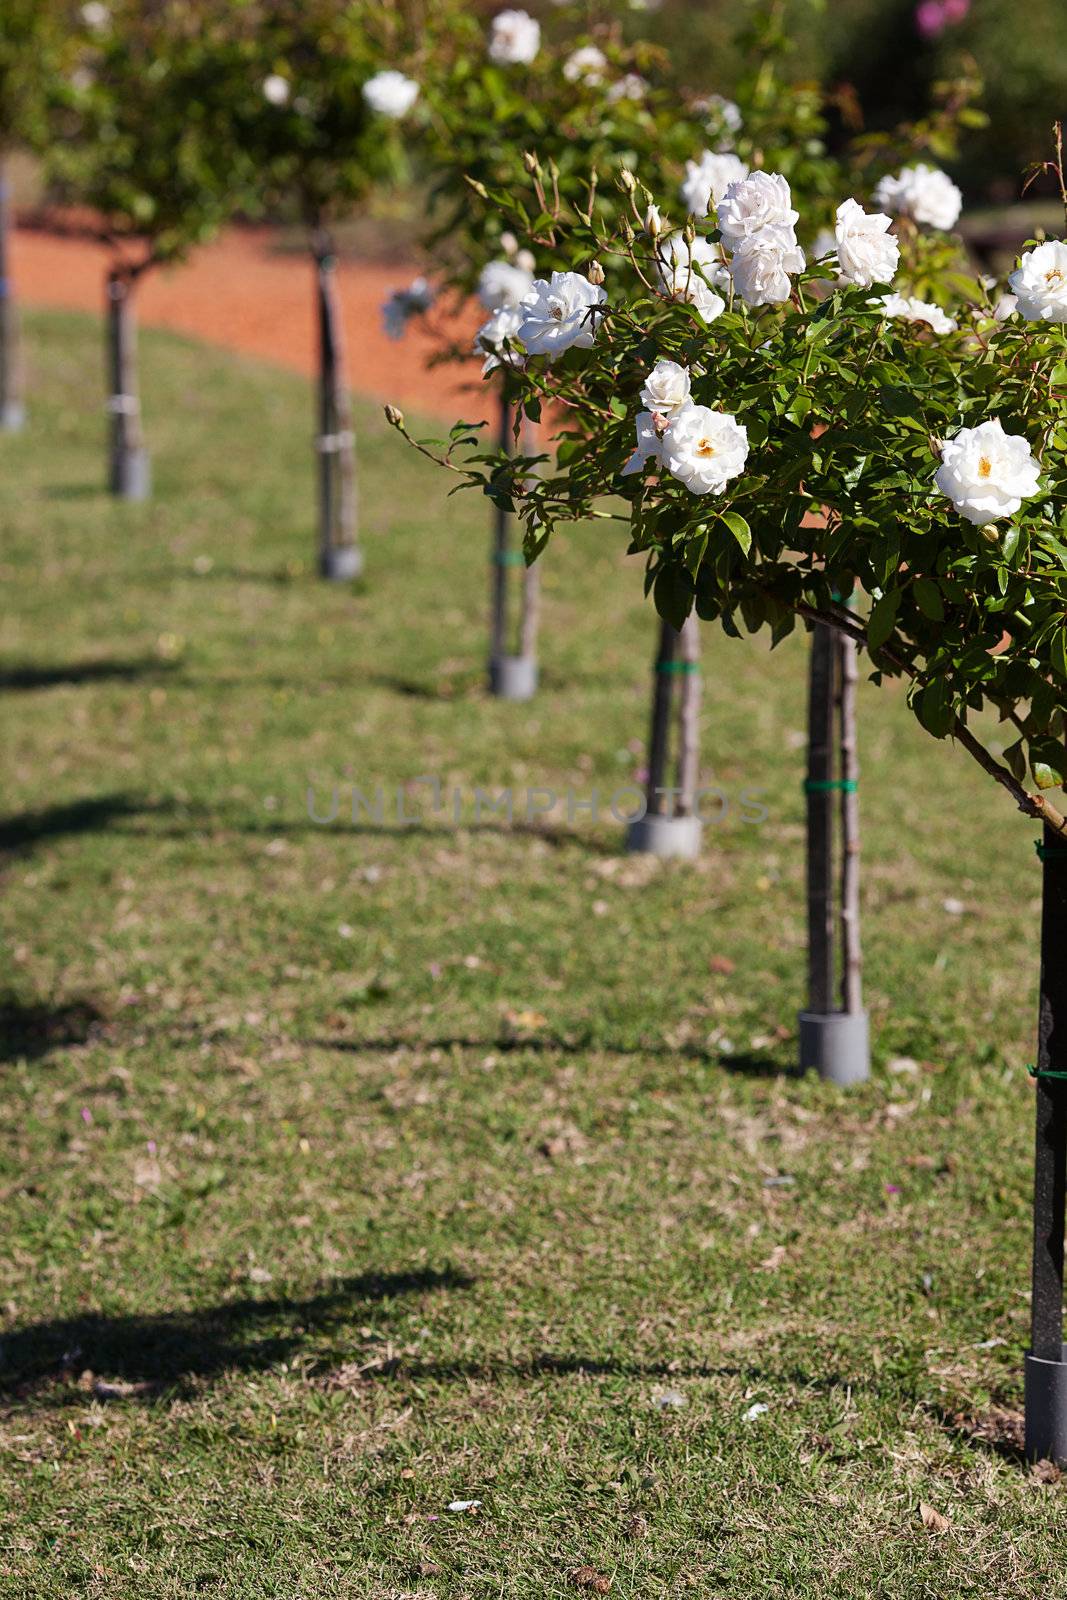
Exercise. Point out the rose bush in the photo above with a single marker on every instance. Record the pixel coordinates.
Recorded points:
(817, 435)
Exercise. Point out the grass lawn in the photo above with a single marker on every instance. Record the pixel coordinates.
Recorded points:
(351, 1171)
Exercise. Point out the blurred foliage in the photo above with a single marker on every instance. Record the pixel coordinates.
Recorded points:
(139, 133)
(875, 47)
(34, 34)
(494, 126)
(323, 149)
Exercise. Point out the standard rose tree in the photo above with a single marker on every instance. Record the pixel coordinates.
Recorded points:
(502, 86)
(140, 140)
(836, 463)
(580, 111)
(325, 95)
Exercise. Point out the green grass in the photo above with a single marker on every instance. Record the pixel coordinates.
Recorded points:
(350, 1171)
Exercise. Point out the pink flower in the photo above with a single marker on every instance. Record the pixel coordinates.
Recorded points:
(930, 18)
(955, 10)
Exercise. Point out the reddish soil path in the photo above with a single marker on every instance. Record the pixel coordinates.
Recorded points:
(242, 293)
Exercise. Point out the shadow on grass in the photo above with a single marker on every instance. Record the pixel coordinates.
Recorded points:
(32, 675)
(25, 829)
(754, 1066)
(170, 1350)
(31, 1029)
(557, 838)
(75, 491)
(999, 1431)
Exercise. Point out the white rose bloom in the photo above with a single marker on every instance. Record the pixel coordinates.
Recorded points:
(866, 251)
(390, 93)
(630, 87)
(649, 443)
(724, 113)
(922, 193)
(761, 268)
(514, 38)
(692, 273)
(1006, 307)
(911, 310)
(489, 340)
(707, 180)
(95, 14)
(667, 389)
(558, 314)
(503, 283)
(276, 89)
(585, 65)
(987, 473)
(754, 204)
(705, 449)
(403, 304)
(1039, 283)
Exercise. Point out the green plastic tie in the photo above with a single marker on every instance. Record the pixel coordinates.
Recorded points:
(1053, 852)
(677, 666)
(1050, 1073)
(827, 785)
(509, 558)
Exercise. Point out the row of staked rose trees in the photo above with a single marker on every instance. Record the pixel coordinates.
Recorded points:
(590, 106)
(161, 122)
(815, 456)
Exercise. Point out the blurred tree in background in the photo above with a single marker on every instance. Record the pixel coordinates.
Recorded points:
(142, 142)
(891, 52)
(33, 36)
(323, 116)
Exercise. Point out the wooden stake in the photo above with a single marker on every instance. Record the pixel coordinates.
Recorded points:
(124, 406)
(338, 513)
(531, 576)
(660, 730)
(1050, 1154)
(498, 577)
(688, 775)
(820, 812)
(851, 948)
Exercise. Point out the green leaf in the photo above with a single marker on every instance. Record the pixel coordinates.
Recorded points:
(1058, 651)
(1015, 760)
(883, 615)
(935, 709)
(672, 595)
(928, 599)
(739, 528)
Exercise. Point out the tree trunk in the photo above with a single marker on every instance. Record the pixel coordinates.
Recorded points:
(531, 610)
(128, 462)
(502, 553)
(820, 811)
(1050, 1164)
(338, 512)
(531, 576)
(1046, 1368)
(12, 414)
(660, 730)
(688, 717)
(851, 949)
